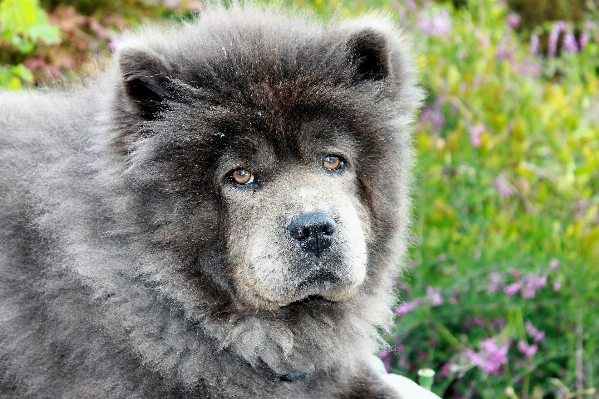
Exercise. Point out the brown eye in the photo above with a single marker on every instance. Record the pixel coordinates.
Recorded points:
(242, 176)
(332, 162)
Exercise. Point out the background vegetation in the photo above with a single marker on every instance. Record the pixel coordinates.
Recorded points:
(502, 289)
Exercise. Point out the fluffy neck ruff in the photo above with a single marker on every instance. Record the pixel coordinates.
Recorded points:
(291, 341)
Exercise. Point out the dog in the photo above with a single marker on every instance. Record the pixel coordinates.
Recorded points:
(217, 214)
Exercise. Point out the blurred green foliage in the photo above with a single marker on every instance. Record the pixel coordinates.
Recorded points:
(23, 24)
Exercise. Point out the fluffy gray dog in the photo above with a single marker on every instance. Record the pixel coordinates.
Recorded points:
(216, 215)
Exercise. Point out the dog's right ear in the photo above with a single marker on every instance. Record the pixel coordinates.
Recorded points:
(145, 76)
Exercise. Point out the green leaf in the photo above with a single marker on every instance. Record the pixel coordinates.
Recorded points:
(16, 16)
(8, 79)
(24, 46)
(46, 33)
(23, 73)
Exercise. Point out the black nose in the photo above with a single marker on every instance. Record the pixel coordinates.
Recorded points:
(313, 231)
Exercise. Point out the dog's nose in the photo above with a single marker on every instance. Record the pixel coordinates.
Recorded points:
(313, 231)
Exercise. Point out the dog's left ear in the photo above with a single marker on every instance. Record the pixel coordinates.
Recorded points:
(378, 52)
(369, 54)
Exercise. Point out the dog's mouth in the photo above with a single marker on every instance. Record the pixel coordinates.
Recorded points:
(311, 300)
(319, 277)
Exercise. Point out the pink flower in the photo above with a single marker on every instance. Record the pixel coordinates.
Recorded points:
(434, 116)
(569, 42)
(553, 264)
(532, 285)
(436, 23)
(557, 28)
(503, 186)
(557, 285)
(112, 45)
(534, 333)
(505, 52)
(491, 357)
(513, 289)
(513, 20)
(475, 133)
(529, 292)
(527, 350)
(411, 4)
(434, 295)
(540, 282)
(114, 42)
(407, 307)
(534, 45)
(529, 68)
(585, 37)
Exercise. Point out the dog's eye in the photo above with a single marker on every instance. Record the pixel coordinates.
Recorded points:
(242, 176)
(333, 163)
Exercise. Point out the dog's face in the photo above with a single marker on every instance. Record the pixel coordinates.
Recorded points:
(296, 227)
(282, 157)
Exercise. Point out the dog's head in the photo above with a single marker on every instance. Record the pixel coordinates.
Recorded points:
(272, 156)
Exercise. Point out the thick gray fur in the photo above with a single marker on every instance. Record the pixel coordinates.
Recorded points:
(124, 259)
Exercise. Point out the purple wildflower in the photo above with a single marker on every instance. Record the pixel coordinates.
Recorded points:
(528, 292)
(540, 282)
(553, 264)
(513, 289)
(584, 39)
(532, 285)
(475, 133)
(527, 350)
(535, 334)
(434, 295)
(384, 353)
(529, 68)
(505, 52)
(407, 307)
(411, 4)
(534, 45)
(557, 285)
(513, 20)
(436, 23)
(112, 44)
(503, 186)
(557, 28)
(387, 367)
(434, 116)
(569, 42)
(491, 357)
